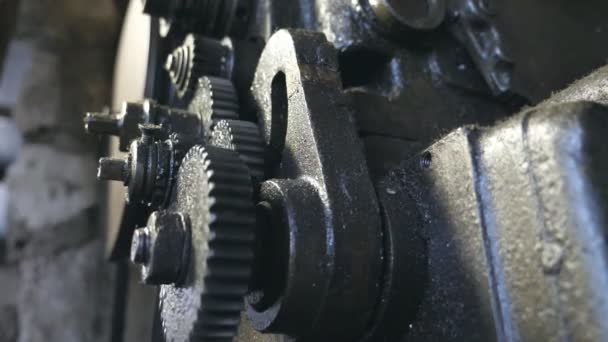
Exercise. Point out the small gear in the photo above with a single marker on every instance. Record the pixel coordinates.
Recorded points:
(215, 99)
(196, 57)
(214, 190)
(243, 137)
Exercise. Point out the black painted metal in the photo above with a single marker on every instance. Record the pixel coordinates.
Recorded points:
(163, 248)
(394, 16)
(495, 232)
(213, 189)
(329, 198)
(515, 219)
(474, 27)
(149, 187)
(198, 56)
(216, 18)
(126, 124)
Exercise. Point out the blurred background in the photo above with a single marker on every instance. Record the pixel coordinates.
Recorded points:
(56, 63)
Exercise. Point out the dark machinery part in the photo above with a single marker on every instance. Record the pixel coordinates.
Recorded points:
(126, 125)
(215, 99)
(474, 27)
(214, 190)
(174, 132)
(162, 248)
(516, 225)
(196, 57)
(398, 16)
(306, 197)
(214, 18)
(243, 137)
(523, 43)
(178, 130)
(305, 132)
(146, 172)
(299, 201)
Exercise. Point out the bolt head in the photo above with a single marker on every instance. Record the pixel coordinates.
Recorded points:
(140, 246)
(169, 248)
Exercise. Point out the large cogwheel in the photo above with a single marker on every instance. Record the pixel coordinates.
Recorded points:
(214, 189)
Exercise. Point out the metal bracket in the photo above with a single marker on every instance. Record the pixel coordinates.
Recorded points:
(307, 125)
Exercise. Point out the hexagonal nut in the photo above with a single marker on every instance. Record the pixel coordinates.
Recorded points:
(169, 248)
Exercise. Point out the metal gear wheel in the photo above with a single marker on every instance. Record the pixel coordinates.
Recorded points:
(215, 99)
(214, 190)
(243, 137)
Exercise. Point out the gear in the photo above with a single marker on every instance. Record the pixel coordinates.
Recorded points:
(243, 137)
(214, 189)
(147, 171)
(197, 56)
(215, 99)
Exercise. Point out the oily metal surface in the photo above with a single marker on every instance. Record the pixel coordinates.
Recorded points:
(418, 92)
(594, 88)
(180, 305)
(213, 189)
(308, 128)
(551, 42)
(515, 217)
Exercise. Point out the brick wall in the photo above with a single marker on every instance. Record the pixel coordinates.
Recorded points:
(64, 288)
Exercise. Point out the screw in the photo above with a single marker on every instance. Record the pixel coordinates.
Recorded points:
(140, 246)
(112, 169)
(426, 160)
(102, 123)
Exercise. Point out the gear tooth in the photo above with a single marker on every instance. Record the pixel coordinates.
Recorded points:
(228, 233)
(229, 251)
(215, 98)
(222, 288)
(234, 234)
(215, 304)
(223, 97)
(219, 321)
(230, 269)
(243, 137)
(209, 57)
